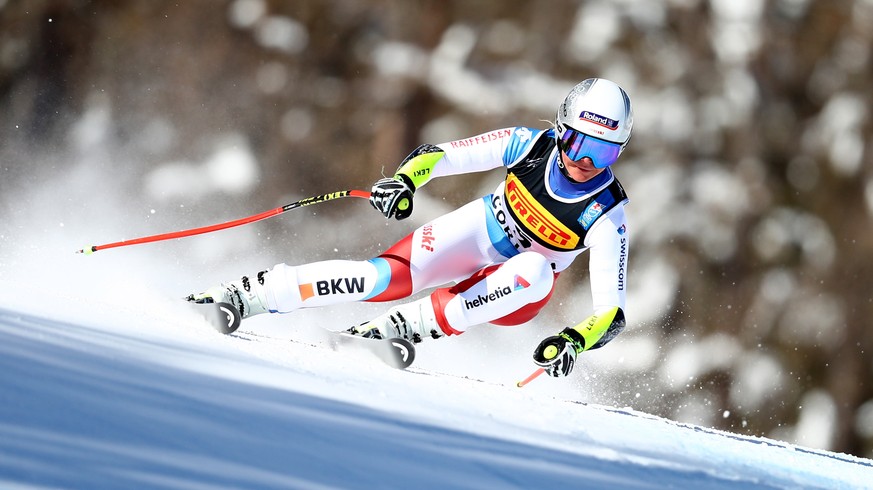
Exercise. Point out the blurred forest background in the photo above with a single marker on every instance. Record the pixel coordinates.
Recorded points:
(750, 170)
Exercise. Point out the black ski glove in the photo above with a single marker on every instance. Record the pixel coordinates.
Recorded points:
(392, 197)
(557, 354)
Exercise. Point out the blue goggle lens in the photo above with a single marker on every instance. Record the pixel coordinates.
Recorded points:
(578, 146)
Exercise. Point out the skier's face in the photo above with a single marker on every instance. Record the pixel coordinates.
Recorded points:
(582, 170)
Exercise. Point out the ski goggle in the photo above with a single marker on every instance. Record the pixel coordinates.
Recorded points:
(577, 146)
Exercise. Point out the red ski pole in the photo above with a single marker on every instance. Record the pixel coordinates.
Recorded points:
(230, 224)
(534, 375)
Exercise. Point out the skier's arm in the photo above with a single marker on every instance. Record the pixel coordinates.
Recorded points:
(608, 272)
(418, 168)
(393, 196)
(557, 354)
(476, 154)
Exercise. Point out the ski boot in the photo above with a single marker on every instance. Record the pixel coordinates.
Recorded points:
(412, 321)
(247, 297)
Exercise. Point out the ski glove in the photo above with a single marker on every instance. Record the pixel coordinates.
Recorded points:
(392, 197)
(557, 353)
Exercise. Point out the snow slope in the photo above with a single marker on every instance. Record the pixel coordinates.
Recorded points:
(147, 396)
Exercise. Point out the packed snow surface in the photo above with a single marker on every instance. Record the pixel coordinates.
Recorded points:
(147, 395)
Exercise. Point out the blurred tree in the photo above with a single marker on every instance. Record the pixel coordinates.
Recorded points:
(749, 169)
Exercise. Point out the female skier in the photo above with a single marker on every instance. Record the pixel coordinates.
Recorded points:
(496, 259)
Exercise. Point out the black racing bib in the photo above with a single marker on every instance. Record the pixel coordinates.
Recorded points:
(555, 224)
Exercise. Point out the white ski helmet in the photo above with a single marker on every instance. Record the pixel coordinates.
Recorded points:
(595, 120)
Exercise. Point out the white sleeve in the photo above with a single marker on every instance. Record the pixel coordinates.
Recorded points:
(476, 154)
(609, 242)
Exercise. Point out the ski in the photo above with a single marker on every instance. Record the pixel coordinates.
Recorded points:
(224, 317)
(397, 353)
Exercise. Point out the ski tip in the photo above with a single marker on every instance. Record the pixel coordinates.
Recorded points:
(87, 250)
(403, 351)
(224, 317)
(230, 316)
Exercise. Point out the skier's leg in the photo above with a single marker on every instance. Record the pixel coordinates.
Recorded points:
(286, 288)
(504, 294)
(451, 246)
(447, 248)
